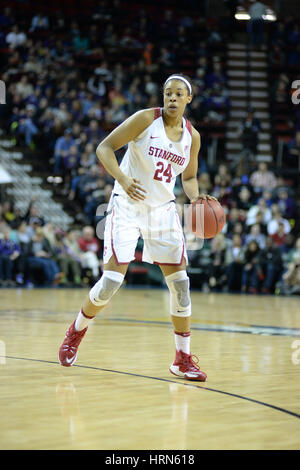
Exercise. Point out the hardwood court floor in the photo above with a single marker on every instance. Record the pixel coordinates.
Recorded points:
(120, 394)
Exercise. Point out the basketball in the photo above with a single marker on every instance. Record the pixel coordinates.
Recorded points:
(205, 218)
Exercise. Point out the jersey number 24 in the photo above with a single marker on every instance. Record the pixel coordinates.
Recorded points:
(162, 171)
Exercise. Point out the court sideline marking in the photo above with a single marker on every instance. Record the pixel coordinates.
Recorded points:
(230, 328)
(238, 328)
(252, 400)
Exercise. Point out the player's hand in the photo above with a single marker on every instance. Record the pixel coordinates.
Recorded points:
(133, 188)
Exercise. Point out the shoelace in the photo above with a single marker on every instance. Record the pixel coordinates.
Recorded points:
(74, 340)
(193, 360)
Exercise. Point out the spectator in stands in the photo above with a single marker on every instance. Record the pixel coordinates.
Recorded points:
(290, 284)
(94, 132)
(259, 222)
(62, 113)
(294, 254)
(24, 88)
(95, 197)
(244, 199)
(9, 252)
(281, 88)
(50, 230)
(81, 42)
(285, 203)
(22, 238)
(239, 182)
(293, 35)
(277, 57)
(263, 179)
(68, 262)
(204, 183)
(216, 271)
(234, 260)
(98, 83)
(248, 132)
(71, 159)
(32, 65)
(232, 218)
(271, 265)
(294, 57)
(8, 211)
(59, 53)
(256, 235)
(268, 197)
(251, 273)
(41, 258)
(217, 76)
(294, 150)
(278, 36)
(83, 169)
(218, 98)
(39, 22)
(223, 174)
(62, 146)
(90, 248)
(277, 218)
(256, 24)
(15, 37)
(23, 234)
(6, 18)
(71, 239)
(279, 237)
(223, 192)
(215, 36)
(115, 114)
(87, 182)
(32, 216)
(166, 58)
(259, 208)
(28, 126)
(281, 92)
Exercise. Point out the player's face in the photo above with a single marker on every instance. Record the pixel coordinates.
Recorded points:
(176, 97)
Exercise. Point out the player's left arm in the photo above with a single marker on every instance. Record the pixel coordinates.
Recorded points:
(189, 175)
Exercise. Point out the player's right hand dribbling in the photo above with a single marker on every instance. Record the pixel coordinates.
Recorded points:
(133, 188)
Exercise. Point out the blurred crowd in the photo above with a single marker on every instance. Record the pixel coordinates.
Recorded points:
(33, 252)
(70, 80)
(284, 68)
(69, 83)
(257, 251)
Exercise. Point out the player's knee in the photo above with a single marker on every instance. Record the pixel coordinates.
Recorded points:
(106, 287)
(180, 300)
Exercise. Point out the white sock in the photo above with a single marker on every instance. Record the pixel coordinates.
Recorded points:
(82, 321)
(183, 342)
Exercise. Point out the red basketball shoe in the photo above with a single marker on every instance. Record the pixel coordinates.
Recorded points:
(67, 354)
(185, 366)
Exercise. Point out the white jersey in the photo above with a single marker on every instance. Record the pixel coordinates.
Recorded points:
(155, 160)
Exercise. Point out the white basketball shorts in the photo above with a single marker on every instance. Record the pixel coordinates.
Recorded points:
(159, 227)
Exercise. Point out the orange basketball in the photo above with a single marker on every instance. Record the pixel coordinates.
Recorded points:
(205, 218)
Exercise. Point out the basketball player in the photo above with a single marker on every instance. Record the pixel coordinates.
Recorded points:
(161, 145)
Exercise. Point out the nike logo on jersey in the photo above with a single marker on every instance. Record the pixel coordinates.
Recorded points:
(153, 137)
